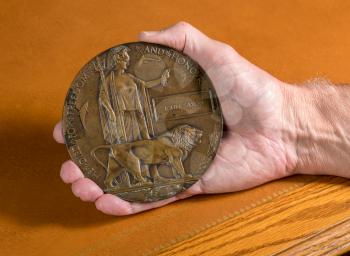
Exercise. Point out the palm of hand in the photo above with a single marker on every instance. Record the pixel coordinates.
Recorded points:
(252, 150)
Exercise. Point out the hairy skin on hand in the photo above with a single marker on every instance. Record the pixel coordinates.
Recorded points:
(319, 111)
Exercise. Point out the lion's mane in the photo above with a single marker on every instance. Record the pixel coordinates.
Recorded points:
(183, 138)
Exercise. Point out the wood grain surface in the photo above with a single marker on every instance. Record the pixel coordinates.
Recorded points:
(312, 220)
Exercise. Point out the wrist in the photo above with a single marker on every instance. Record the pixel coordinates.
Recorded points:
(288, 127)
(315, 125)
(298, 120)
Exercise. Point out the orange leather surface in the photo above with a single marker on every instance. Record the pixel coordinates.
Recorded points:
(44, 44)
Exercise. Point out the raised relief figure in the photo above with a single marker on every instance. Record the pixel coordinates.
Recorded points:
(123, 101)
(170, 148)
(121, 112)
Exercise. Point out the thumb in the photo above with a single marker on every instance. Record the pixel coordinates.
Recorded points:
(185, 38)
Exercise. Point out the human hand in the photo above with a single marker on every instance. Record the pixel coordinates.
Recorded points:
(255, 147)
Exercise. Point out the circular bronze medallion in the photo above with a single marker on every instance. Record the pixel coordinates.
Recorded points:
(143, 121)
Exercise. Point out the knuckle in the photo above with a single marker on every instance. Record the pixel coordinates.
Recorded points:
(184, 25)
(63, 172)
(130, 209)
(99, 205)
(66, 165)
(76, 189)
(227, 49)
(200, 187)
(226, 52)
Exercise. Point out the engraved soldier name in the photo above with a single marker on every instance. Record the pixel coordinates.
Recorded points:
(182, 105)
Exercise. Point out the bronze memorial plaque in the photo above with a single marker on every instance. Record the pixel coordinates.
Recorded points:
(143, 121)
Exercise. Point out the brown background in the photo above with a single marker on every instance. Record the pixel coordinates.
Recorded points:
(44, 44)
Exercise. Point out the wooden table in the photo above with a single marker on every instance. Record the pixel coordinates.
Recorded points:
(311, 220)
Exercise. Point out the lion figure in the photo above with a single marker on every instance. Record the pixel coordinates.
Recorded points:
(171, 147)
